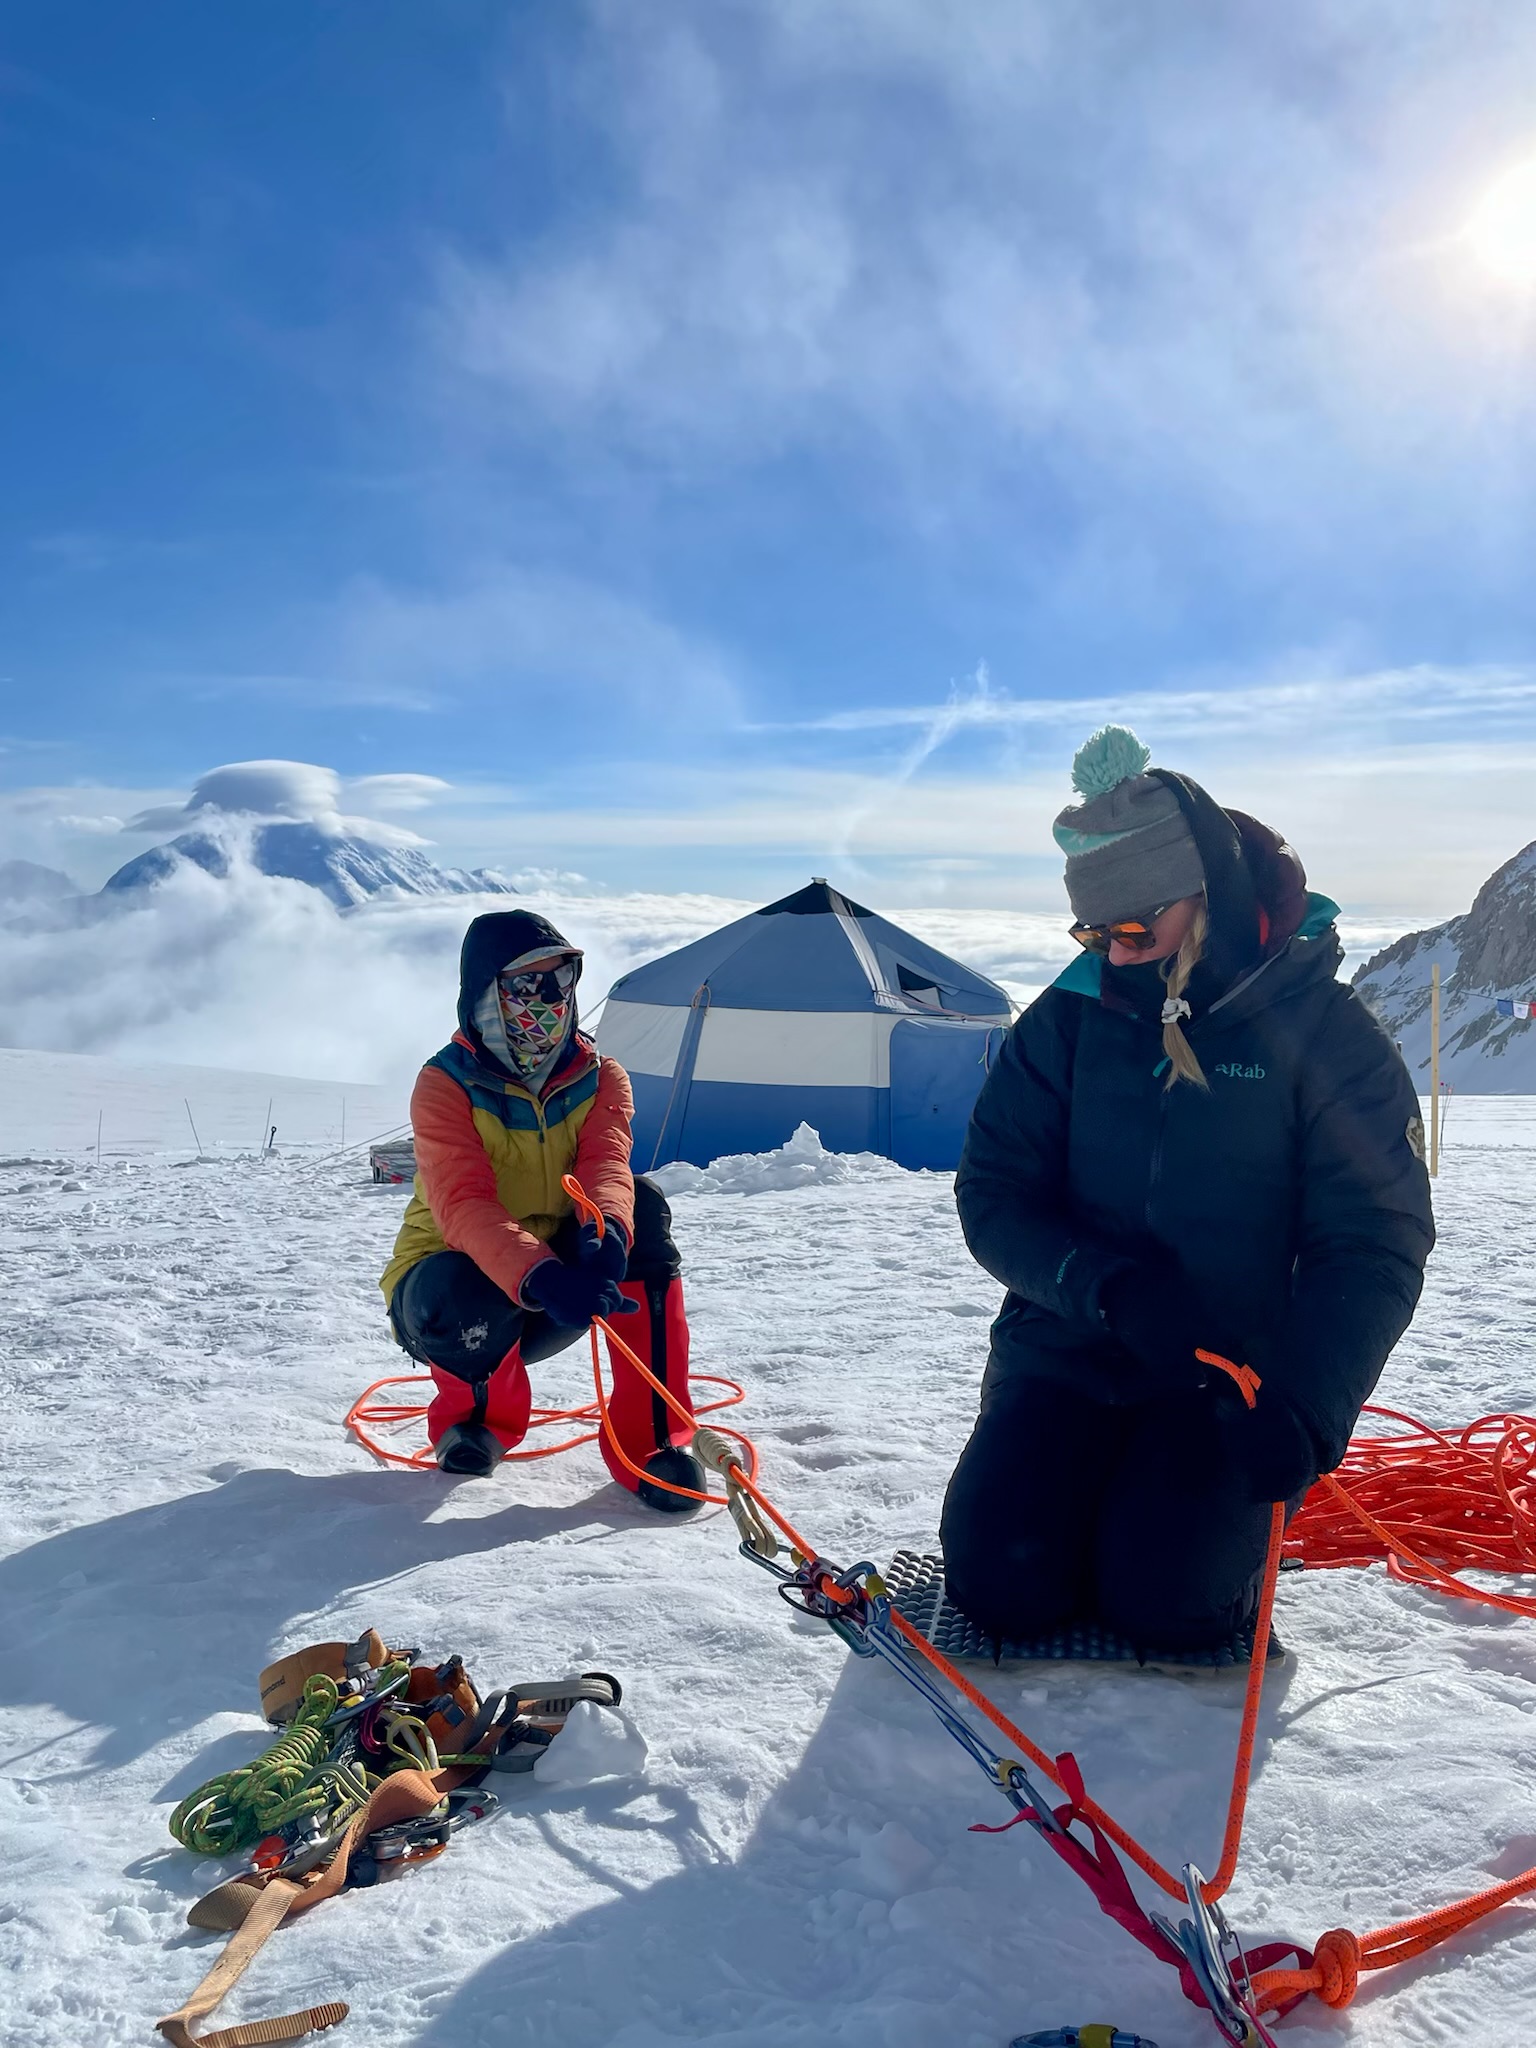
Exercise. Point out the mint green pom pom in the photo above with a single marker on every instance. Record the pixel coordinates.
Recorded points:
(1112, 756)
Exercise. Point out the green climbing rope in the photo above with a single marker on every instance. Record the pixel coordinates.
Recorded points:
(294, 1778)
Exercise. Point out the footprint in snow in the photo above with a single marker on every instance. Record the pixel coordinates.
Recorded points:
(823, 1461)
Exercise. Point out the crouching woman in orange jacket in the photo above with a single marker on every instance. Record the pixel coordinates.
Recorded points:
(491, 1269)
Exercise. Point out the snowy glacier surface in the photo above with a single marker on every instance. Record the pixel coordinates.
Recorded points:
(774, 1853)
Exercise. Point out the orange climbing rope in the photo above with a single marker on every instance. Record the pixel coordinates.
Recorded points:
(368, 1413)
(1340, 1956)
(1424, 1502)
(1430, 1504)
(1421, 1500)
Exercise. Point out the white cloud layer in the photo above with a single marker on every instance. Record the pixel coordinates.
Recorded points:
(265, 975)
(1396, 811)
(251, 972)
(1421, 704)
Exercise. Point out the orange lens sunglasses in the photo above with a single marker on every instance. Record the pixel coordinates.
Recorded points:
(1134, 933)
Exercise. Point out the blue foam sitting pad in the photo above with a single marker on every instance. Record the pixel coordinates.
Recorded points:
(916, 1582)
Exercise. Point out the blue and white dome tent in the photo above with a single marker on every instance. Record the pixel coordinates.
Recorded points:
(811, 1010)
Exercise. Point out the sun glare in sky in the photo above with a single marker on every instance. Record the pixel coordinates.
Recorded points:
(1502, 230)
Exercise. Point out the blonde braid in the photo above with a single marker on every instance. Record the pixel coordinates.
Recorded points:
(1182, 1063)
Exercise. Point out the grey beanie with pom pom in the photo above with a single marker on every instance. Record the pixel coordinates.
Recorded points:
(1128, 843)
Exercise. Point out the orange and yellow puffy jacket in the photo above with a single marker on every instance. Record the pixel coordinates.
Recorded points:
(490, 1155)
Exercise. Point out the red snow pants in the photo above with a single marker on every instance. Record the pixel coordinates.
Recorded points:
(478, 1343)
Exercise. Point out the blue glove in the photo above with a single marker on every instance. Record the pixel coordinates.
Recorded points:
(607, 1255)
(573, 1295)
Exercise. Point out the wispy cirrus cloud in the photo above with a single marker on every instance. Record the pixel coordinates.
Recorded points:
(539, 633)
(1415, 701)
(1171, 265)
(489, 638)
(282, 689)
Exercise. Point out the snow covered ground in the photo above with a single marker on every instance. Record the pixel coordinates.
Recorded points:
(790, 1867)
(66, 1101)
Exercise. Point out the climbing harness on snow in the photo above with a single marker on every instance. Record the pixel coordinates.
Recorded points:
(380, 1762)
(1436, 1501)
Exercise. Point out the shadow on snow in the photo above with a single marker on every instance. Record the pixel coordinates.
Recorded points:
(155, 1619)
(861, 1911)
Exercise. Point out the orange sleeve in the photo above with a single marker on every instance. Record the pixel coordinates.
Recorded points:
(602, 1150)
(460, 1186)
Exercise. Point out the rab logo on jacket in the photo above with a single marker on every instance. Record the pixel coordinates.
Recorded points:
(1236, 1072)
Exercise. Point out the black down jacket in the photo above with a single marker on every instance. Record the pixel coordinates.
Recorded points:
(1293, 1193)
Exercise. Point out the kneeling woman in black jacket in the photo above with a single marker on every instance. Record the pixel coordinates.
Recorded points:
(1195, 1140)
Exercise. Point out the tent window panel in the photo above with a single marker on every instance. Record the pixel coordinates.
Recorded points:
(643, 1037)
(922, 988)
(796, 1048)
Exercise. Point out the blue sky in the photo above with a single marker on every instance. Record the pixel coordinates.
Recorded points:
(696, 443)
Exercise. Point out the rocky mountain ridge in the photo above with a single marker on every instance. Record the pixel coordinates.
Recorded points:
(26, 883)
(1484, 953)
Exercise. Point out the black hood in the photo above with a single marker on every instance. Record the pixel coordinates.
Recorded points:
(490, 942)
(1233, 945)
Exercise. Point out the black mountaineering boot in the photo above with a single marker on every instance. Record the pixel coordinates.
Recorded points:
(469, 1450)
(680, 1468)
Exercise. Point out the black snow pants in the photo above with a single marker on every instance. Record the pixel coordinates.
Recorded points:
(1066, 1509)
(446, 1312)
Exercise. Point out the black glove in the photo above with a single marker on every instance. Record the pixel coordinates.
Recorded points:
(573, 1295)
(607, 1255)
(1269, 1445)
(1154, 1313)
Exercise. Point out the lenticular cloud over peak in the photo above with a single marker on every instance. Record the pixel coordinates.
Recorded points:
(296, 792)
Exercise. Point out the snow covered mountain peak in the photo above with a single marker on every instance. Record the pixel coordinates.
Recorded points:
(1487, 952)
(344, 868)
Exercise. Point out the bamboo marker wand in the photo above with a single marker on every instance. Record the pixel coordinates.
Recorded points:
(1434, 1070)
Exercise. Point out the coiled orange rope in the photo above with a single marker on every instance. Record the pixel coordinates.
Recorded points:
(368, 1413)
(1430, 1503)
